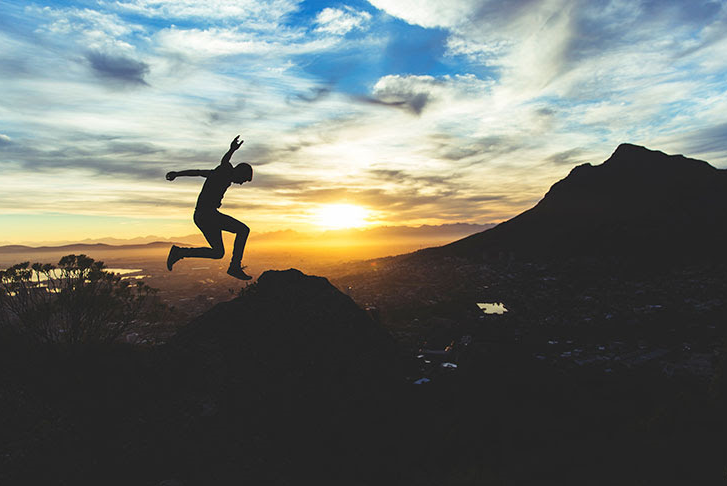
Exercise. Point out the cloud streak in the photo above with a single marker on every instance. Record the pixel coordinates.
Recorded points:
(118, 69)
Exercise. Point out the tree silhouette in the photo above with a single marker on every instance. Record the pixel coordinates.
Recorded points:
(77, 302)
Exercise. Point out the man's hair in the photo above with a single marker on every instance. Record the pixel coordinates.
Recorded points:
(242, 171)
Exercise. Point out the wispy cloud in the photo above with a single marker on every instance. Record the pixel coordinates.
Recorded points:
(220, 42)
(91, 28)
(256, 13)
(341, 21)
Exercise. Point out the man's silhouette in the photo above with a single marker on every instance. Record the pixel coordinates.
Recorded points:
(212, 222)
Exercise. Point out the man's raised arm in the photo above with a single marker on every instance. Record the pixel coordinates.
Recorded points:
(187, 173)
(234, 145)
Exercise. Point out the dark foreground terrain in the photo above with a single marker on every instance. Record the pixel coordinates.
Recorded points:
(293, 383)
(605, 366)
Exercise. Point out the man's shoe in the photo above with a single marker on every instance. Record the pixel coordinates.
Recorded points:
(173, 257)
(237, 272)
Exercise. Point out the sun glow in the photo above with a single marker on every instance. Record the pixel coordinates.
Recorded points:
(338, 216)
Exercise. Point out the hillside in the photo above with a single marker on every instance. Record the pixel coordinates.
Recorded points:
(639, 203)
(290, 330)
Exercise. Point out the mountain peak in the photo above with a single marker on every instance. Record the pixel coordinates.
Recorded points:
(630, 148)
(630, 155)
(292, 279)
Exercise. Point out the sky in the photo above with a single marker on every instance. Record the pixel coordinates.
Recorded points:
(408, 112)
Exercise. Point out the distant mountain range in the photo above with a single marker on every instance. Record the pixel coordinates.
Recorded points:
(425, 234)
(81, 247)
(639, 203)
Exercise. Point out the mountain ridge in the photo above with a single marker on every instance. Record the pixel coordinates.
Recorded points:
(639, 203)
(84, 246)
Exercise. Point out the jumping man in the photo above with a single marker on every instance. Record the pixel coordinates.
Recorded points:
(209, 220)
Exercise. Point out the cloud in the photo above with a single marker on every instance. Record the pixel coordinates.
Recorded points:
(136, 161)
(280, 183)
(416, 93)
(317, 94)
(341, 21)
(90, 28)
(118, 68)
(5, 140)
(473, 149)
(132, 149)
(437, 13)
(199, 44)
(403, 177)
(626, 70)
(254, 13)
(411, 92)
(706, 141)
(709, 140)
(533, 44)
(568, 157)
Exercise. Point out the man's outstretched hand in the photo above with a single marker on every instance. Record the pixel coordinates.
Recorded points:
(234, 145)
(171, 176)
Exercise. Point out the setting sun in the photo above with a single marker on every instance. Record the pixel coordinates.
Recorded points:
(338, 216)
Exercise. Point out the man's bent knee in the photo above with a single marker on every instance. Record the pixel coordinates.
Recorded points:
(218, 253)
(242, 229)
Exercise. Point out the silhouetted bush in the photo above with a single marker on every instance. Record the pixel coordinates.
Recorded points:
(76, 302)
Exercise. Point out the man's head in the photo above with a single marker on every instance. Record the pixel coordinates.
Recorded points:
(242, 173)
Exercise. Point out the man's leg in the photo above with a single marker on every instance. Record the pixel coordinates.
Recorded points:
(210, 226)
(241, 231)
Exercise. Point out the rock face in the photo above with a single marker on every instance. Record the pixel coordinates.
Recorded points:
(639, 203)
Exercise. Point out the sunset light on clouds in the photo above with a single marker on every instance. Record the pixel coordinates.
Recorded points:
(414, 113)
